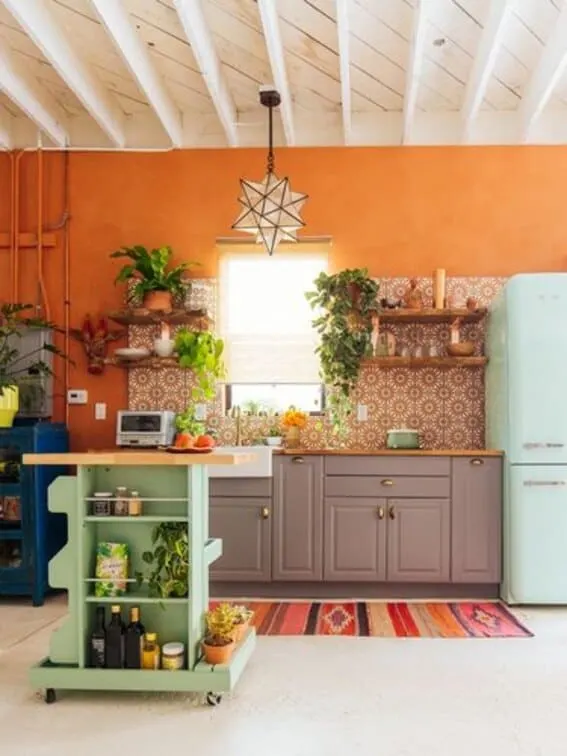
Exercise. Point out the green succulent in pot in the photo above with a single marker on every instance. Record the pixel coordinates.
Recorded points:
(155, 282)
(345, 304)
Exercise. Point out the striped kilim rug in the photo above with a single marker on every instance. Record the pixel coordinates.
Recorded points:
(388, 620)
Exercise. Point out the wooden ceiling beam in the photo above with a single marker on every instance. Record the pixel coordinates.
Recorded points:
(272, 34)
(343, 32)
(37, 20)
(483, 64)
(135, 54)
(415, 65)
(548, 71)
(200, 38)
(25, 92)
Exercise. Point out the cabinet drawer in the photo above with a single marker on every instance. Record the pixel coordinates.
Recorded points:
(387, 465)
(247, 487)
(387, 486)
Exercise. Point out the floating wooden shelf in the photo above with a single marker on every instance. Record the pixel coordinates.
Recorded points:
(154, 363)
(429, 315)
(196, 318)
(423, 362)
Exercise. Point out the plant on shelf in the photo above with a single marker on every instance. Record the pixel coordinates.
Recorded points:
(20, 371)
(156, 284)
(345, 303)
(274, 437)
(201, 352)
(218, 643)
(242, 618)
(169, 561)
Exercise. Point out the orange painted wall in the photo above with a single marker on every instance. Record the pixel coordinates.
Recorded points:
(474, 211)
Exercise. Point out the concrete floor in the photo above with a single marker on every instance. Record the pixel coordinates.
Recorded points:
(310, 697)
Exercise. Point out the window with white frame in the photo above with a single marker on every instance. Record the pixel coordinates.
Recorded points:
(266, 323)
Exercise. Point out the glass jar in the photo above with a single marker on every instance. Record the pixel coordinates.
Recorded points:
(121, 502)
(150, 652)
(134, 504)
(172, 656)
(102, 504)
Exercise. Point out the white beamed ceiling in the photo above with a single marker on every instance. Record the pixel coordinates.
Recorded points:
(161, 74)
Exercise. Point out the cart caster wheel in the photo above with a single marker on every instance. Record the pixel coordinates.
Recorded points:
(50, 696)
(213, 699)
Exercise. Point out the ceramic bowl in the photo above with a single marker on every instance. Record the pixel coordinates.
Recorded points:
(461, 349)
(274, 440)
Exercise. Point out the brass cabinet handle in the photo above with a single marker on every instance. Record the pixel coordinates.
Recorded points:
(387, 482)
(392, 513)
(380, 513)
(265, 513)
(298, 460)
(477, 461)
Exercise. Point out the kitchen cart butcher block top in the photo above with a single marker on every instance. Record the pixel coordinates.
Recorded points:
(394, 452)
(121, 457)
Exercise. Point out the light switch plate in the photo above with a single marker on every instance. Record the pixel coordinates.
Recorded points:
(77, 396)
(100, 411)
(361, 413)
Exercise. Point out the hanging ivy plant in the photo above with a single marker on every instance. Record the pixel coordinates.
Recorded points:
(345, 303)
(201, 352)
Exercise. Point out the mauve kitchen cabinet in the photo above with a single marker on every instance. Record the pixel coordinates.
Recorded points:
(476, 499)
(297, 528)
(240, 513)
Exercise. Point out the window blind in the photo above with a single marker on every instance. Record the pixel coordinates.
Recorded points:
(265, 319)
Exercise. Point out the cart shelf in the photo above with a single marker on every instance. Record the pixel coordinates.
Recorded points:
(172, 493)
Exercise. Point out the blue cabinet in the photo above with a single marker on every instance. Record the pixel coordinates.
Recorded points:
(29, 535)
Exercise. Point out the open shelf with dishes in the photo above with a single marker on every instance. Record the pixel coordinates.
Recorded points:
(426, 362)
(198, 319)
(431, 315)
(105, 566)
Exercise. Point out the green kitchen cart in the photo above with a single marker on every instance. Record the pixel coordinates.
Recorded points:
(173, 488)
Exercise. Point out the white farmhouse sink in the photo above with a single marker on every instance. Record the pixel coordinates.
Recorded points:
(261, 467)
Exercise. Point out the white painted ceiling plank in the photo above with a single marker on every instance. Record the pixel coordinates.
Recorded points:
(24, 91)
(484, 62)
(415, 65)
(36, 19)
(343, 32)
(119, 25)
(200, 38)
(272, 34)
(6, 141)
(544, 78)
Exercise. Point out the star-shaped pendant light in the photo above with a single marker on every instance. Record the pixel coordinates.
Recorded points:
(270, 210)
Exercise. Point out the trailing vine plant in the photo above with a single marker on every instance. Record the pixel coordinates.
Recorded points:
(345, 304)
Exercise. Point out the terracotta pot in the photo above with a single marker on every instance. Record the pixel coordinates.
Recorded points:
(218, 654)
(158, 300)
(354, 292)
(240, 631)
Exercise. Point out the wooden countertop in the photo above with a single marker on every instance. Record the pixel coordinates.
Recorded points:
(135, 457)
(394, 452)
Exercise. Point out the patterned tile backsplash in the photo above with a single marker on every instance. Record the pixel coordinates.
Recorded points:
(445, 405)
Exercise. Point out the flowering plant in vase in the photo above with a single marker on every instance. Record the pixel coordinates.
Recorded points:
(293, 420)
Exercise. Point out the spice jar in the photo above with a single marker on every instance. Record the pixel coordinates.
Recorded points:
(134, 504)
(121, 502)
(150, 652)
(102, 504)
(173, 656)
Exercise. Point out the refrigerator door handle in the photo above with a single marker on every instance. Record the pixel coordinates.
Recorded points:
(544, 483)
(548, 445)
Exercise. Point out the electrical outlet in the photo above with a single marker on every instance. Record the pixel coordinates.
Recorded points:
(100, 411)
(77, 396)
(361, 413)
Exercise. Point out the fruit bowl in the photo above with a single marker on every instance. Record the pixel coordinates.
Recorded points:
(189, 450)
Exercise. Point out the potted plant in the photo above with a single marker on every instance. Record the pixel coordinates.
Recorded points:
(201, 352)
(242, 618)
(155, 283)
(274, 437)
(218, 643)
(293, 420)
(20, 370)
(169, 561)
(346, 303)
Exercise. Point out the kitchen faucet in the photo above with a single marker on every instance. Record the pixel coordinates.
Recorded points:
(236, 413)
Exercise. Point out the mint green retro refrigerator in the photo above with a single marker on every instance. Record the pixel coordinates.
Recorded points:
(526, 416)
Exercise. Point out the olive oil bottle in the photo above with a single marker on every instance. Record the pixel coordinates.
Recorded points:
(134, 639)
(115, 640)
(97, 649)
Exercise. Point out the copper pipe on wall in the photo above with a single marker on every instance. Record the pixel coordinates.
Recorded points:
(12, 221)
(41, 282)
(16, 268)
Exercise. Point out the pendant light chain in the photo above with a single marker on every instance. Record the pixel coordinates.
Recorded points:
(271, 157)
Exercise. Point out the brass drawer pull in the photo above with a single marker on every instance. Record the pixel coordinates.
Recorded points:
(477, 461)
(265, 513)
(380, 513)
(298, 460)
(387, 482)
(392, 513)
